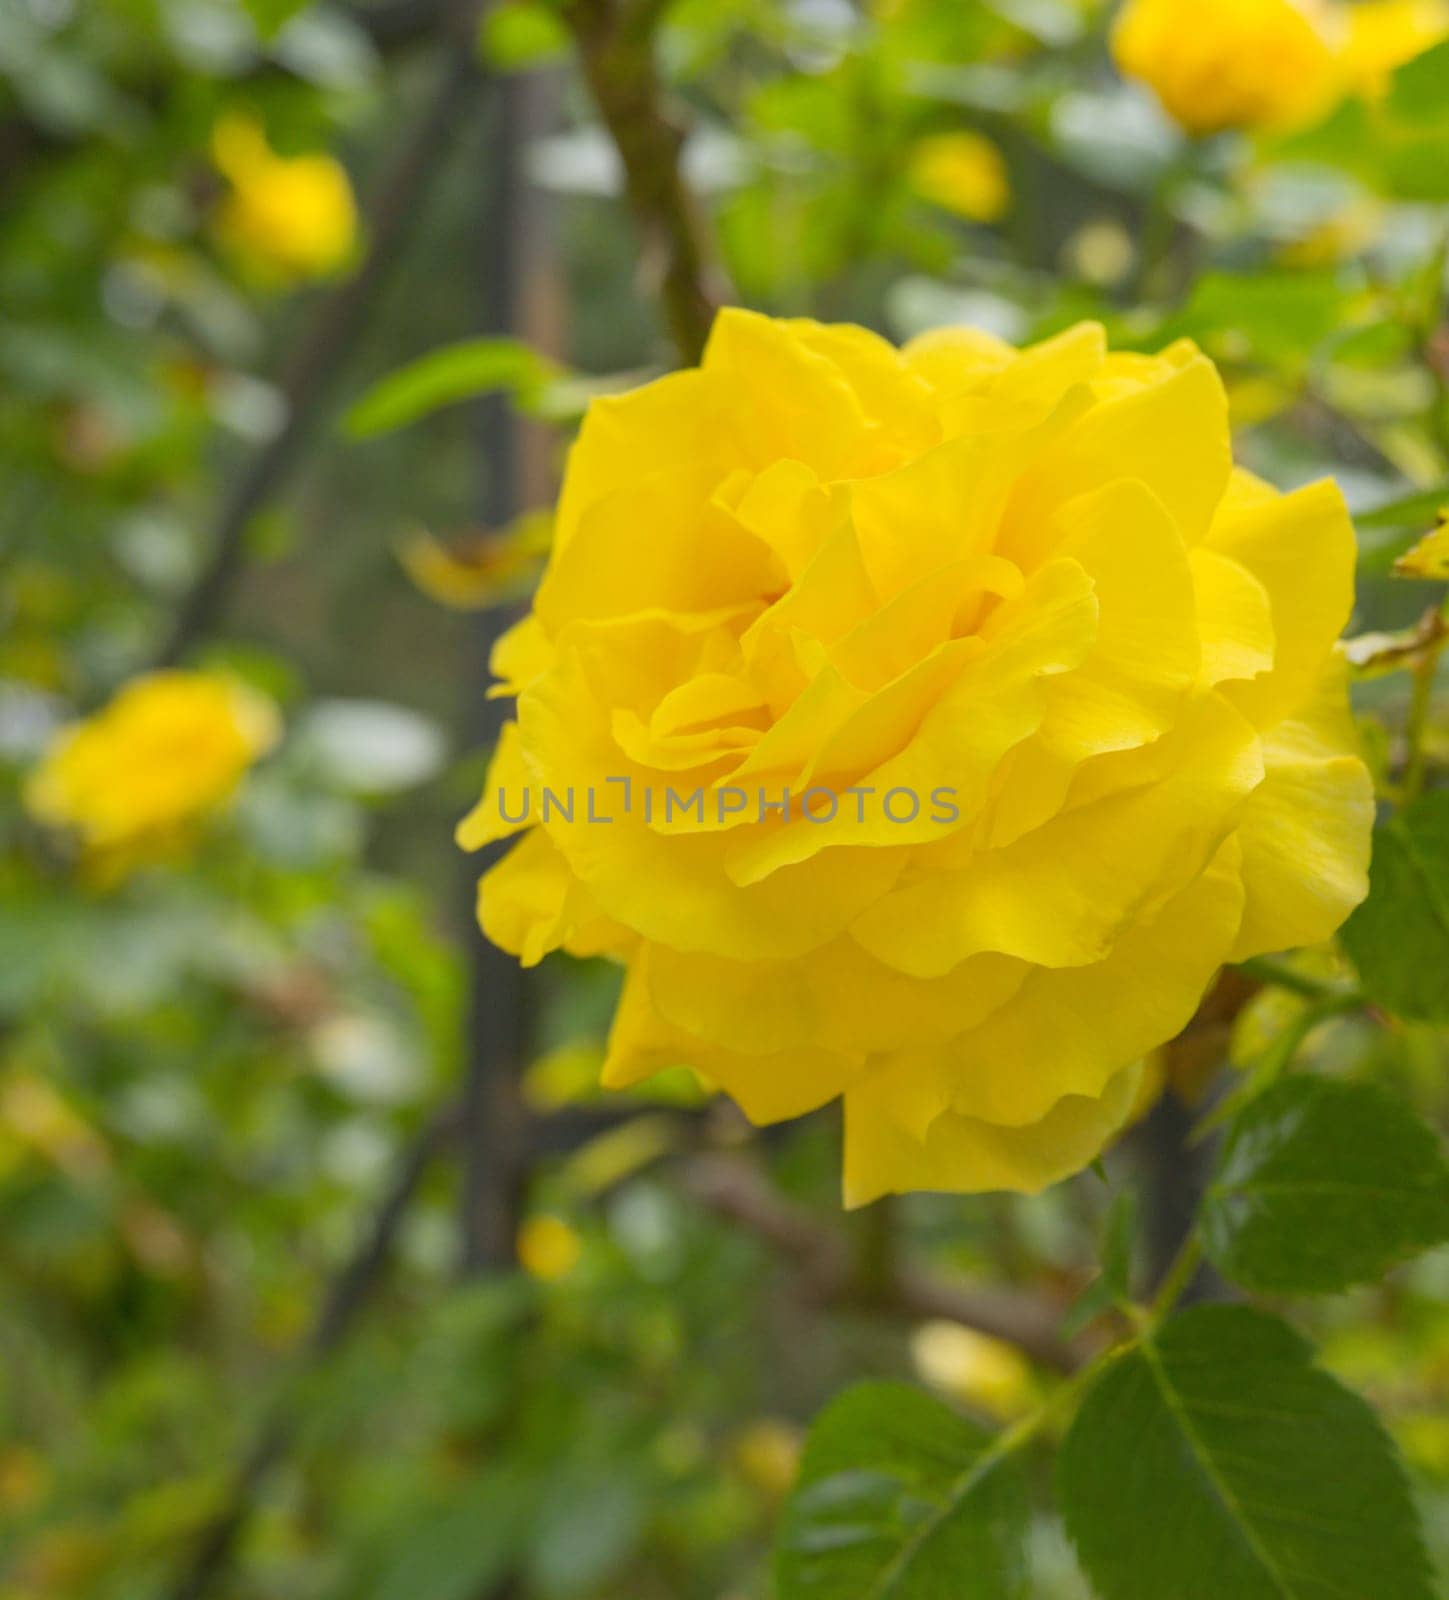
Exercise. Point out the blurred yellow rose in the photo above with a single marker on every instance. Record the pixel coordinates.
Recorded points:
(286, 218)
(962, 173)
(925, 728)
(1384, 34)
(767, 1454)
(548, 1248)
(131, 780)
(973, 1367)
(1233, 63)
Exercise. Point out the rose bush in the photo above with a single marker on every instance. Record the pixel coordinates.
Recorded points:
(1029, 592)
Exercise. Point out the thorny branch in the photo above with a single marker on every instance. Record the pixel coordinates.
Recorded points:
(735, 1189)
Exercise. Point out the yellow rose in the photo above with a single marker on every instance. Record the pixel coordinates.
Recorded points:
(287, 218)
(962, 173)
(973, 1367)
(548, 1248)
(1085, 670)
(1232, 63)
(1384, 34)
(168, 749)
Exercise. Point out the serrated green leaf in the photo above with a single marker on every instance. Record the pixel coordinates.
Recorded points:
(900, 1498)
(1399, 937)
(445, 377)
(1214, 1460)
(1323, 1184)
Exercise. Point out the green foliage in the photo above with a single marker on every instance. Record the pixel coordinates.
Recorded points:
(900, 1498)
(1212, 1459)
(1321, 1185)
(443, 378)
(520, 34)
(271, 16)
(1399, 936)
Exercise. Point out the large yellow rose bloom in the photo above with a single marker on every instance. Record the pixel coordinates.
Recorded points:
(1254, 64)
(168, 749)
(286, 218)
(1061, 685)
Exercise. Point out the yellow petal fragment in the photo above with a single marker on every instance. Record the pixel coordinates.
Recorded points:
(1429, 558)
(1301, 549)
(509, 800)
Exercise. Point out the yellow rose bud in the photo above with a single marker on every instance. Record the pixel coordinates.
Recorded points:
(924, 729)
(169, 749)
(287, 218)
(1251, 64)
(962, 173)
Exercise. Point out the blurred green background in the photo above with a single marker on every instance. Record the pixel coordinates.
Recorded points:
(576, 1359)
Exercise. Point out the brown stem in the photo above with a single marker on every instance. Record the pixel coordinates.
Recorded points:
(616, 47)
(737, 1190)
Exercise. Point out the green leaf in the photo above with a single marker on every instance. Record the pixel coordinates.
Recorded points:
(1323, 1184)
(1399, 937)
(1213, 1460)
(520, 34)
(587, 1526)
(1419, 91)
(461, 1549)
(443, 378)
(270, 16)
(899, 1498)
(1279, 314)
(1417, 510)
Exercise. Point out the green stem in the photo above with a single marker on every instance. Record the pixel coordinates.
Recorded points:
(1416, 763)
(1179, 1276)
(1276, 974)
